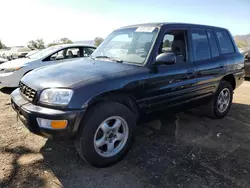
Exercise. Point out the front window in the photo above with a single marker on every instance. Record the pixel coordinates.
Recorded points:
(45, 52)
(175, 41)
(130, 45)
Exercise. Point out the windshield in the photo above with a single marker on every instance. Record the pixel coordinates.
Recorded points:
(130, 45)
(44, 52)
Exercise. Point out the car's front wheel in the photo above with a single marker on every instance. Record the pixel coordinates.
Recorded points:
(106, 134)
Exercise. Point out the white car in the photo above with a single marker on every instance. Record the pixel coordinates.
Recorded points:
(31, 53)
(11, 72)
(18, 52)
(2, 60)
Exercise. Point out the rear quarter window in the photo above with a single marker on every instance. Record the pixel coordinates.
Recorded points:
(225, 42)
(213, 45)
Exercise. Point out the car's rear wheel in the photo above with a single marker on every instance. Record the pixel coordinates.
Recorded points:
(106, 134)
(221, 102)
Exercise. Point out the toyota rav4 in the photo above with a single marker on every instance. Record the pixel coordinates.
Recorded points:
(136, 70)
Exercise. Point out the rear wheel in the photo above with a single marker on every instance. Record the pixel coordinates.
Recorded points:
(106, 134)
(222, 101)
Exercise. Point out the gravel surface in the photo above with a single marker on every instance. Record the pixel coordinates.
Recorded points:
(185, 150)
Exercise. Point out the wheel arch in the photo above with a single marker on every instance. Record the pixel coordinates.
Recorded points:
(117, 96)
(231, 79)
(27, 72)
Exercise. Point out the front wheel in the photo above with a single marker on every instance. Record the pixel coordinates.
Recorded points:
(222, 101)
(106, 134)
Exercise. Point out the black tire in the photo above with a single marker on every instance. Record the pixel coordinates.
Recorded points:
(211, 109)
(94, 117)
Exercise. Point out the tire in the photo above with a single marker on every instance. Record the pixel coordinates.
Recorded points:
(92, 129)
(212, 109)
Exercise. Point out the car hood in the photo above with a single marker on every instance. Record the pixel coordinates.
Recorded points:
(70, 73)
(16, 63)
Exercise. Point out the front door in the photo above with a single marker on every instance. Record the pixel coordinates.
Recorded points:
(173, 84)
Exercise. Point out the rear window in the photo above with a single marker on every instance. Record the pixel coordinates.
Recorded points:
(226, 45)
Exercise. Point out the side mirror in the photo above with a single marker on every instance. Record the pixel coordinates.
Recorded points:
(167, 58)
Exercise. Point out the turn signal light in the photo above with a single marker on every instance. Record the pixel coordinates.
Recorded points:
(59, 124)
(52, 124)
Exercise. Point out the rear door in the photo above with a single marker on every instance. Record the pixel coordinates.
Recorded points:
(227, 49)
(206, 56)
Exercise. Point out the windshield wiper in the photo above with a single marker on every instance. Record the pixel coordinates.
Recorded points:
(111, 58)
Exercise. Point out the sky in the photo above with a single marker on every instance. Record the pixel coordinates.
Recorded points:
(25, 20)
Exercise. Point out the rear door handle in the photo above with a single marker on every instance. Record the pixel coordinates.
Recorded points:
(221, 66)
(190, 73)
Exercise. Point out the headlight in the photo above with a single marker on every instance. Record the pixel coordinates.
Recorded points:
(56, 96)
(7, 70)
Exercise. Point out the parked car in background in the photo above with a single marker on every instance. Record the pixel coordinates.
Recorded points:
(18, 52)
(2, 60)
(246, 53)
(31, 53)
(247, 64)
(4, 53)
(11, 72)
(136, 70)
(247, 69)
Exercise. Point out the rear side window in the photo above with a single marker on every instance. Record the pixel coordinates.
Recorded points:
(213, 44)
(200, 45)
(226, 45)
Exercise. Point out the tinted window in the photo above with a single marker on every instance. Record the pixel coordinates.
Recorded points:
(200, 45)
(213, 44)
(225, 42)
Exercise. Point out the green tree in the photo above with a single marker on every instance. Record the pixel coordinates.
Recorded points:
(98, 40)
(52, 44)
(36, 44)
(166, 43)
(241, 43)
(2, 45)
(65, 41)
(61, 41)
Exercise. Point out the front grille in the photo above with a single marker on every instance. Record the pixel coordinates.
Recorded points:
(28, 92)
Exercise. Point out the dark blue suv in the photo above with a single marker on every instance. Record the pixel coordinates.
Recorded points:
(136, 70)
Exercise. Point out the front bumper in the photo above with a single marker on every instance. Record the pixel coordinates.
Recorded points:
(28, 114)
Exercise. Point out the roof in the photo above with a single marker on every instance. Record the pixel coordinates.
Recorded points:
(75, 45)
(161, 24)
